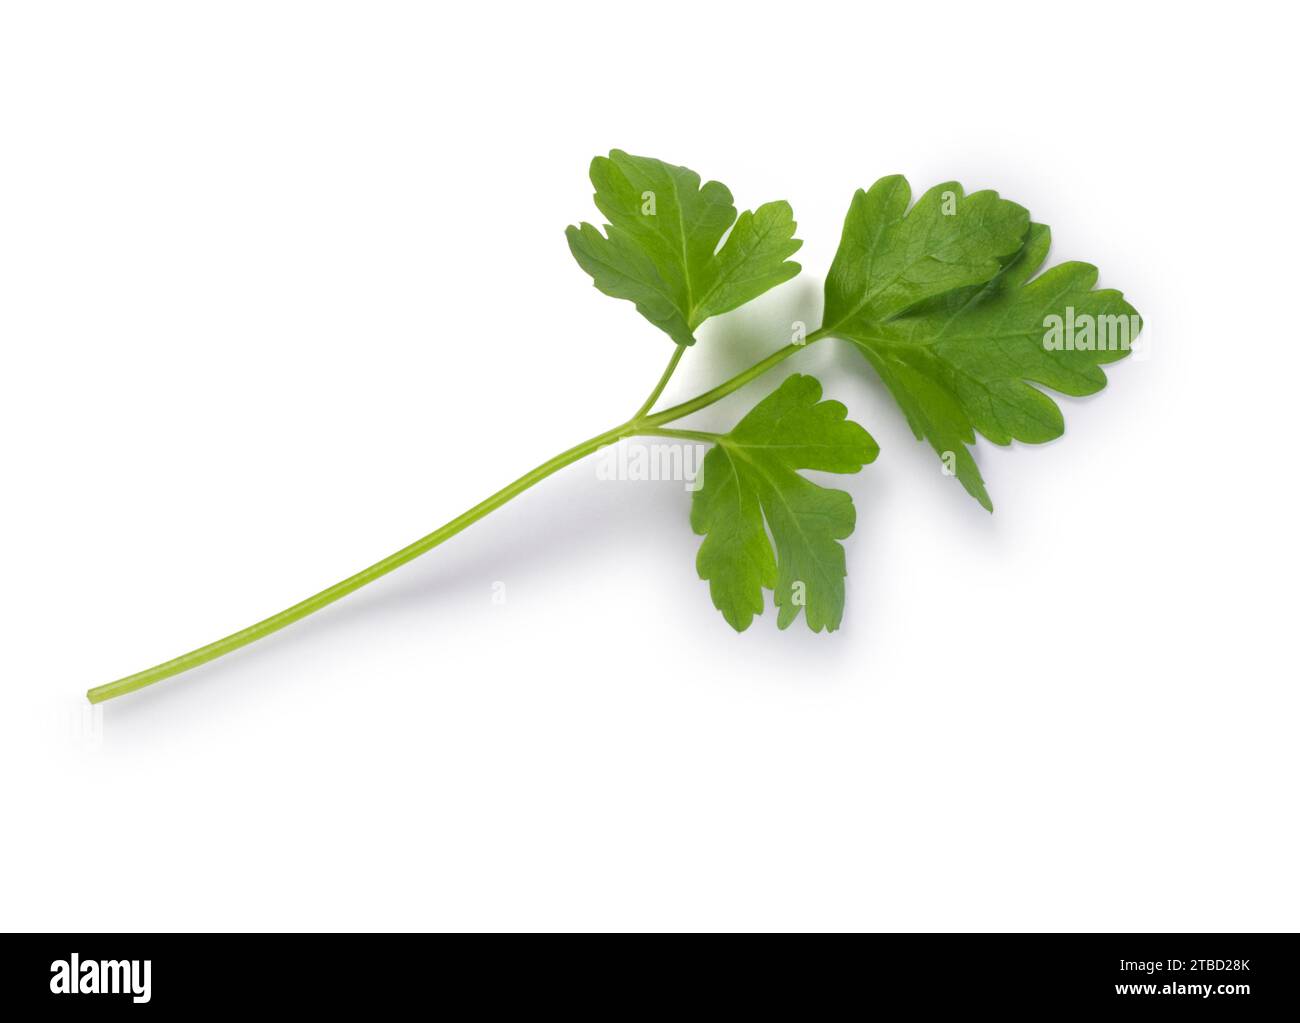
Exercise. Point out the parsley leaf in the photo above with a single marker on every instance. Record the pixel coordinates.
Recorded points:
(890, 259)
(660, 247)
(751, 477)
(963, 359)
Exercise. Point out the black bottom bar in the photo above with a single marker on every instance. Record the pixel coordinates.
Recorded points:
(1130, 975)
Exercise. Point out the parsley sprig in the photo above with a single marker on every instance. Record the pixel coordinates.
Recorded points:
(943, 298)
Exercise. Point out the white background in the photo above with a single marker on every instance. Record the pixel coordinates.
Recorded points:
(284, 286)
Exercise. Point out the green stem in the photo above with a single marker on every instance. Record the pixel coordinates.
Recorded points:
(700, 435)
(734, 384)
(663, 382)
(353, 583)
(638, 424)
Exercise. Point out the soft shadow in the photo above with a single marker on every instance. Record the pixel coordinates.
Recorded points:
(572, 518)
(734, 342)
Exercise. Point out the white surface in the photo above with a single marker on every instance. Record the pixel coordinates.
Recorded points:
(282, 287)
